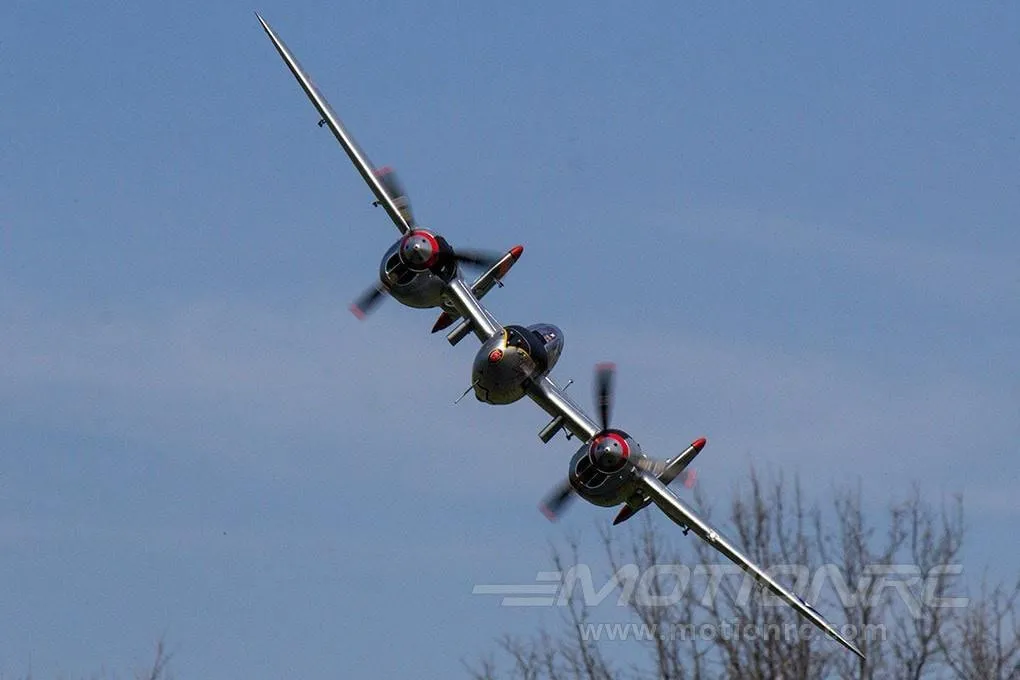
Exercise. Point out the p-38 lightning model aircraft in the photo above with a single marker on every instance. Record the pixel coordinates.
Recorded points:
(421, 270)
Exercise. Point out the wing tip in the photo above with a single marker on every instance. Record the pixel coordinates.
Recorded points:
(357, 311)
(852, 647)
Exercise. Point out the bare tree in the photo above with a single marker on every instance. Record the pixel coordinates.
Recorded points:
(984, 643)
(894, 583)
(159, 670)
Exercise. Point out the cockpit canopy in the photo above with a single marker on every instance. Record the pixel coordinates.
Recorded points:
(529, 342)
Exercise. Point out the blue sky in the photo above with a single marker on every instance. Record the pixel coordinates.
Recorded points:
(792, 228)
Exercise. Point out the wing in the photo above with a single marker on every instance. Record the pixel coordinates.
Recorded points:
(483, 284)
(676, 510)
(562, 408)
(360, 161)
(673, 467)
(480, 321)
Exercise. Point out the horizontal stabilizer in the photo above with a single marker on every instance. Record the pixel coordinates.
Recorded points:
(674, 466)
(678, 464)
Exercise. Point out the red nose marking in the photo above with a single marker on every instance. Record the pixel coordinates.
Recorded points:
(624, 447)
(433, 245)
(495, 355)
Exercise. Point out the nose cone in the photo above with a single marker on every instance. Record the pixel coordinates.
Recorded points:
(419, 249)
(498, 372)
(609, 452)
(416, 251)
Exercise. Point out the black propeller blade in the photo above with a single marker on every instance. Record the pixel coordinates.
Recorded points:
(480, 258)
(391, 183)
(395, 191)
(557, 500)
(554, 503)
(368, 300)
(604, 391)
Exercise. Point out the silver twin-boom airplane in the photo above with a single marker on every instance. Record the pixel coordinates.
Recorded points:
(609, 469)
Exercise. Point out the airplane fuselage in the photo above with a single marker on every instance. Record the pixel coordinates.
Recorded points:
(508, 361)
(421, 271)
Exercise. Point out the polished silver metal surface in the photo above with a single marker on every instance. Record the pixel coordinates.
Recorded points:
(666, 471)
(422, 290)
(500, 370)
(421, 270)
(555, 402)
(359, 159)
(482, 322)
(551, 429)
(678, 511)
(482, 285)
(609, 468)
(603, 470)
(509, 361)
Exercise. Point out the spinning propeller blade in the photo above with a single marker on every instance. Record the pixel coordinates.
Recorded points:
(368, 300)
(479, 258)
(664, 470)
(395, 190)
(557, 500)
(604, 391)
(330, 119)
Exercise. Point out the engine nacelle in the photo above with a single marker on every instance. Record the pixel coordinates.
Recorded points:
(422, 289)
(603, 470)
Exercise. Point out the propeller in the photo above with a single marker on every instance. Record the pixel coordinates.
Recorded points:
(604, 373)
(395, 190)
(559, 498)
(419, 250)
(369, 299)
(609, 452)
(479, 258)
(608, 449)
